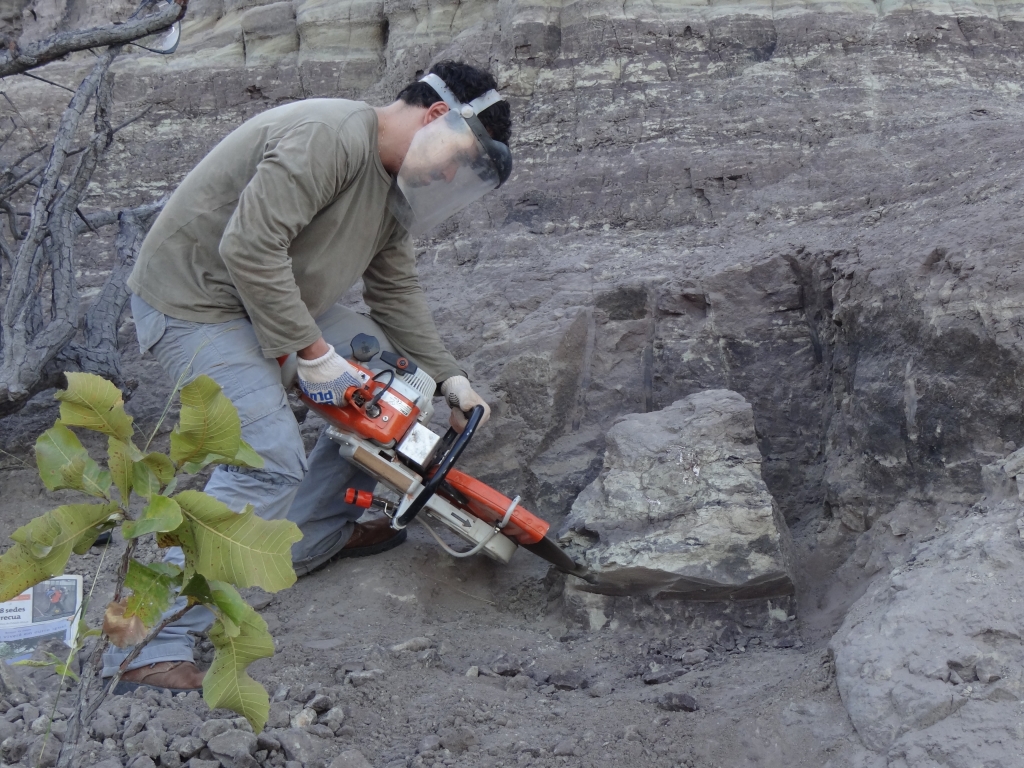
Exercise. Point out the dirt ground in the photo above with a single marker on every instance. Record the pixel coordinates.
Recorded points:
(546, 691)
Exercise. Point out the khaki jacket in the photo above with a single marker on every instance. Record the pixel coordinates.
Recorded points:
(277, 222)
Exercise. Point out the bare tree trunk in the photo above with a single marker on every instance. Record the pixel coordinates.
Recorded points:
(35, 55)
(98, 352)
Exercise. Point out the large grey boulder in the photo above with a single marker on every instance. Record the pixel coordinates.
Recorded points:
(929, 662)
(680, 509)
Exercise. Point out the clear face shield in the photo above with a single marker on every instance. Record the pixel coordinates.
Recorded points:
(451, 162)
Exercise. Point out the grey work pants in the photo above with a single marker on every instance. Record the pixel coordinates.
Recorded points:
(309, 492)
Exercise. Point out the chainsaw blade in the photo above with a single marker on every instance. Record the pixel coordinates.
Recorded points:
(554, 554)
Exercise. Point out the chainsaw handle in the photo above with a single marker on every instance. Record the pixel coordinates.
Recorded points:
(475, 416)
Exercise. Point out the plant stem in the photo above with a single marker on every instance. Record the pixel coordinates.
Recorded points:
(138, 648)
(69, 748)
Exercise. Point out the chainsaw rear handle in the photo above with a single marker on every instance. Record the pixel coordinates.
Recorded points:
(441, 472)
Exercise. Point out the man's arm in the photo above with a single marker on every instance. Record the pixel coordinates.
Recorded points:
(295, 179)
(392, 290)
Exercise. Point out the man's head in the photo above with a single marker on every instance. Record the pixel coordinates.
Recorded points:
(466, 82)
(445, 142)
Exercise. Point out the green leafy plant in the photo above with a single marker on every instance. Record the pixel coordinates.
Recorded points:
(223, 548)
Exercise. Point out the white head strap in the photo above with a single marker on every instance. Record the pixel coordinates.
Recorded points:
(475, 107)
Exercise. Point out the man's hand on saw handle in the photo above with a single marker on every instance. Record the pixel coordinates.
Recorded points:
(462, 399)
(325, 379)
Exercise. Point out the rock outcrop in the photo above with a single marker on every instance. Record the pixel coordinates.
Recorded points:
(680, 509)
(930, 662)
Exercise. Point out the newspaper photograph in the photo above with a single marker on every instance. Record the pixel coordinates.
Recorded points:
(44, 612)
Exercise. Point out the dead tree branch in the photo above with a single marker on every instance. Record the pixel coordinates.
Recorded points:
(60, 45)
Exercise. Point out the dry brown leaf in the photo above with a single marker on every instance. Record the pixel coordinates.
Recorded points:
(121, 631)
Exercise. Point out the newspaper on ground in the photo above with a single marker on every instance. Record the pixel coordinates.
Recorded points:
(47, 611)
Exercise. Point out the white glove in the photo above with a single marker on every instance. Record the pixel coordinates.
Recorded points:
(462, 398)
(325, 379)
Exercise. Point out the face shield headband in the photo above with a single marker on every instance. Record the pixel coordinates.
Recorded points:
(452, 162)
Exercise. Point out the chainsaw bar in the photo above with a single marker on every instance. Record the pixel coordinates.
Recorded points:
(554, 554)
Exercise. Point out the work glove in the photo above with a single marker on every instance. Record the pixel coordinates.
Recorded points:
(462, 399)
(325, 379)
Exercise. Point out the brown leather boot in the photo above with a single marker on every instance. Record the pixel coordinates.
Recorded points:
(175, 676)
(370, 538)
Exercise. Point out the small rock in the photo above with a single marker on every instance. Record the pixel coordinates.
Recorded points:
(278, 717)
(14, 748)
(213, 728)
(170, 760)
(260, 601)
(662, 675)
(196, 762)
(457, 740)
(178, 722)
(333, 718)
(678, 702)
(109, 762)
(40, 725)
(564, 747)
(692, 657)
(150, 743)
(297, 744)
(413, 644)
(322, 731)
(303, 718)
(280, 693)
(350, 758)
(29, 712)
(429, 658)
(429, 743)
(569, 680)
(7, 730)
(59, 729)
(136, 723)
(49, 749)
(187, 746)
(293, 764)
(987, 669)
(346, 731)
(473, 671)
(520, 683)
(142, 761)
(265, 741)
(358, 679)
(319, 703)
(229, 746)
(600, 688)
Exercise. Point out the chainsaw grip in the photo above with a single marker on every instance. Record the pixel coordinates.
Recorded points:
(475, 416)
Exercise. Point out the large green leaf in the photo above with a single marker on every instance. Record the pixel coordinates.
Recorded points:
(42, 547)
(57, 448)
(94, 403)
(228, 605)
(226, 683)
(152, 593)
(84, 474)
(161, 465)
(159, 516)
(209, 430)
(239, 548)
(119, 460)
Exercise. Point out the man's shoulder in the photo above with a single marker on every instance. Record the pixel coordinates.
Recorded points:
(334, 113)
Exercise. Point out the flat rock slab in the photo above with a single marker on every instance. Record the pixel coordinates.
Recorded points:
(680, 509)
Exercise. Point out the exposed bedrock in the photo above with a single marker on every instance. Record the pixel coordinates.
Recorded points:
(680, 509)
(815, 206)
(930, 663)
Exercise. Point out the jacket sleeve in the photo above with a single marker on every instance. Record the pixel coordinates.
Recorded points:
(298, 175)
(392, 290)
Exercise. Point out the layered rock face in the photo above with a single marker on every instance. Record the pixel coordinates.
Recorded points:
(680, 509)
(814, 205)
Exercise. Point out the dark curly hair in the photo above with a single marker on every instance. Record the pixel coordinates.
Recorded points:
(466, 82)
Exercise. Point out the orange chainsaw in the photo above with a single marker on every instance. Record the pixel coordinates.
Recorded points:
(382, 429)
